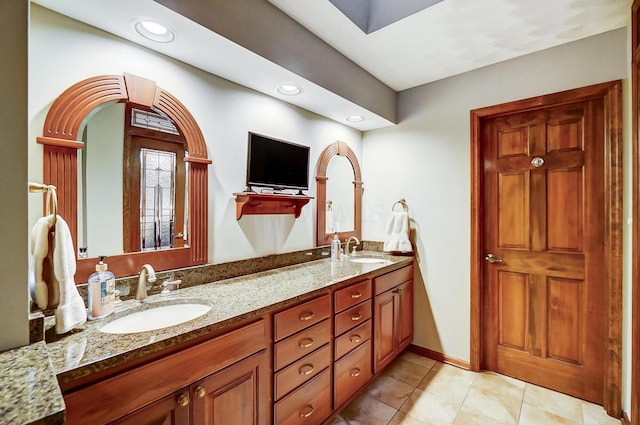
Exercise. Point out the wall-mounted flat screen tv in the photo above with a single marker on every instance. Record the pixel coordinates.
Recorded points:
(277, 164)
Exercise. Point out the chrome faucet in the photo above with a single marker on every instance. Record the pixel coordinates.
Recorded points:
(147, 274)
(346, 246)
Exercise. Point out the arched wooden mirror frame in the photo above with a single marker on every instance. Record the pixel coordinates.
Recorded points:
(60, 138)
(341, 149)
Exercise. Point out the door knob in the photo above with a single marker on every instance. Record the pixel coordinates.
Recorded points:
(492, 259)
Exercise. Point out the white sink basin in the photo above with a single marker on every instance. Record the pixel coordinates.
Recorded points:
(155, 318)
(367, 260)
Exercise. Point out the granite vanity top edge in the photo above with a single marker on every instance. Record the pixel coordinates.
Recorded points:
(87, 350)
(30, 392)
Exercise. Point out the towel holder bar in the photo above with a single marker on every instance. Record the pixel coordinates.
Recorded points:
(51, 204)
(403, 203)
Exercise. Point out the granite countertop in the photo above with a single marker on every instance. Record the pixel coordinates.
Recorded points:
(30, 393)
(86, 350)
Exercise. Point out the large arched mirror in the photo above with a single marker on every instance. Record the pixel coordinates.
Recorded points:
(96, 106)
(338, 194)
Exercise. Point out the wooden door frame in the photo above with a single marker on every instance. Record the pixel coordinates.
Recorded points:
(611, 94)
(635, 232)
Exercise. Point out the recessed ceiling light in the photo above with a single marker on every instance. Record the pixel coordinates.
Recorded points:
(154, 31)
(289, 89)
(355, 118)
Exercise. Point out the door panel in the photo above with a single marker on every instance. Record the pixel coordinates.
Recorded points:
(564, 210)
(543, 212)
(513, 290)
(564, 306)
(513, 208)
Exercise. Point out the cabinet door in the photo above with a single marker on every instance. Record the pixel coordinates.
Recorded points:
(170, 410)
(384, 329)
(405, 315)
(237, 395)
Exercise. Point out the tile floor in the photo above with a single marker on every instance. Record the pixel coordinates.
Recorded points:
(415, 390)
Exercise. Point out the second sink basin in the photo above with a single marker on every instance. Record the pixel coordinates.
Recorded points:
(367, 260)
(153, 318)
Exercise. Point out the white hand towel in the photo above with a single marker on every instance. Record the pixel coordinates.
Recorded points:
(330, 223)
(40, 256)
(71, 311)
(398, 233)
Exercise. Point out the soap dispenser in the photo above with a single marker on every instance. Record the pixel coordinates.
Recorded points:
(101, 292)
(335, 248)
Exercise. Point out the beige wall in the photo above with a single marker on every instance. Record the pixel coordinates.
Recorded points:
(426, 159)
(14, 229)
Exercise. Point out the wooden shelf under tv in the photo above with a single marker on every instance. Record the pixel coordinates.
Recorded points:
(269, 203)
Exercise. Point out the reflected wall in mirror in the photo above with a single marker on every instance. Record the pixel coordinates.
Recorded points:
(340, 202)
(338, 194)
(62, 138)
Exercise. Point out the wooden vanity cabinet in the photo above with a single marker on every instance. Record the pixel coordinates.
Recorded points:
(232, 396)
(228, 375)
(393, 315)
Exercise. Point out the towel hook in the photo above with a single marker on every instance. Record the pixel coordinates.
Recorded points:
(403, 203)
(329, 206)
(51, 204)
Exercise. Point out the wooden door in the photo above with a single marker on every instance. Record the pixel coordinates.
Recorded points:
(405, 314)
(237, 395)
(170, 410)
(384, 329)
(544, 241)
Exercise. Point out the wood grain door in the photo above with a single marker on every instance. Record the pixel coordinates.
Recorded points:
(544, 242)
(384, 329)
(237, 395)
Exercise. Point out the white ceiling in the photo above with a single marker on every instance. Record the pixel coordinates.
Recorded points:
(446, 39)
(455, 36)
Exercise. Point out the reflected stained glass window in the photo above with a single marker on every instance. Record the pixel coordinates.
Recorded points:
(152, 121)
(157, 199)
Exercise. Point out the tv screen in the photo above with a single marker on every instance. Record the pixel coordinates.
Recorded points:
(277, 164)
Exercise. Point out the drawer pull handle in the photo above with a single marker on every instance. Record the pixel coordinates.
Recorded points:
(356, 317)
(355, 372)
(355, 338)
(356, 295)
(183, 400)
(306, 369)
(305, 343)
(200, 392)
(306, 316)
(308, 412)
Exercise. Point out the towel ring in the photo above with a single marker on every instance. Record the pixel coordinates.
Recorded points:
(403, 203)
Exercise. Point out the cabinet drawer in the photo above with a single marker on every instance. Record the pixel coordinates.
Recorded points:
(301, 371)
(387, 281)
(352, 372)
(298, 345)
(352, 295)
(302, 316)
(352, 317)
(308, 405)
(352, 339)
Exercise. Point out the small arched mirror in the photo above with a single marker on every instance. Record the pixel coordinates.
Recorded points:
(338, 194)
